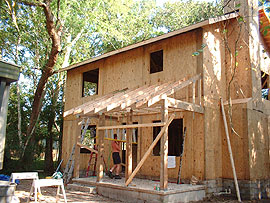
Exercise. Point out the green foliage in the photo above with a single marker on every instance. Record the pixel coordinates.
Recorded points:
(183, 13)
(89, 28)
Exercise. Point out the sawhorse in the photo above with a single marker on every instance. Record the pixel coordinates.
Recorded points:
(47, 183)
(25, 176)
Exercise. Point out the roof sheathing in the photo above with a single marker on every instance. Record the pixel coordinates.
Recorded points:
(152, 40)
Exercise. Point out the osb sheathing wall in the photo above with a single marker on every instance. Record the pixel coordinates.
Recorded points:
(131, 70)
(214, 88)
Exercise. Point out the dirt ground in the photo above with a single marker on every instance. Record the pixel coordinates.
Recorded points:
(49, 194)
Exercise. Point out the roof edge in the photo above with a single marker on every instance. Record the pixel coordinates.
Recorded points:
(152, 40)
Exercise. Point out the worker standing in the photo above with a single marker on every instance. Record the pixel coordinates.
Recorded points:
(116, 159)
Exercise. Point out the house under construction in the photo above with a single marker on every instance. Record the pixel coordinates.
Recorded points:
(164, 97)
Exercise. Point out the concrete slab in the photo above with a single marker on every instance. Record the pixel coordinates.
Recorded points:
(142, 190)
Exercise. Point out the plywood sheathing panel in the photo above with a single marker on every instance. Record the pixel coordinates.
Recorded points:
(214, 88)
(239, 144)
(258, 136)
(72, 130)
(241, 86)
(193, 160)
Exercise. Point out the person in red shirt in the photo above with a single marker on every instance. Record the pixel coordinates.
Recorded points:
(116, 159)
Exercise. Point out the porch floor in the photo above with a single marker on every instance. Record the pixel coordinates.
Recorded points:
(142, 190)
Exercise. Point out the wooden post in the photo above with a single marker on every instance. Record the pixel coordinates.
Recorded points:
(100, 135)
(129, 147)
(77, 151)
(164, 149)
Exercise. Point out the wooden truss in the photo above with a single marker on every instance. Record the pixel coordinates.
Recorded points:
(141, 101)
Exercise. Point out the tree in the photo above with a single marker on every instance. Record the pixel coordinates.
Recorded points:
(183, 13)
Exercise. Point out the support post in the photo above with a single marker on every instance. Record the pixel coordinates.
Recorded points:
(164, 149)
(128, 167)
(100, 135)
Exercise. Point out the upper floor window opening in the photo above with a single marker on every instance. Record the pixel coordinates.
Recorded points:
(90, 83)
(156, 61)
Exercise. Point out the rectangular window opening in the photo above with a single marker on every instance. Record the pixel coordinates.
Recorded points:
(175, 138)
(89, 139)
(156, 130)
(90, 82)
(156, 61)
(265, 85)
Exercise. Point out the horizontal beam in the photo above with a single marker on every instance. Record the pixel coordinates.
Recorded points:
(184, 105)
(131, 126)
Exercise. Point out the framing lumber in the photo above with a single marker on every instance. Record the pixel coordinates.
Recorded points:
(184, 105)
(164, 148)
(128, 167)
(130, 97)
(86, 147)
(102, 104)
(239, 101)
(171, 89)
(116, 99)
(142, 98)
(100, 135)
(131, 126)
(79, 109)
(149, 150)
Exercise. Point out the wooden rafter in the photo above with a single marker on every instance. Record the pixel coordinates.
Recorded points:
(141, 100)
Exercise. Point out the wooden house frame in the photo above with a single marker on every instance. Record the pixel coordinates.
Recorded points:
(189, 87)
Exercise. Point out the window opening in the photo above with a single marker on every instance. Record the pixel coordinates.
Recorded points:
(136, 132)
(265, 85)
(90, 83)
(156, 130)
(175, 138)
(89, 138)
(156, 61)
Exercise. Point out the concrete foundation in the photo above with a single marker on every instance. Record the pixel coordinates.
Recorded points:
(141, 190)
(249, 190)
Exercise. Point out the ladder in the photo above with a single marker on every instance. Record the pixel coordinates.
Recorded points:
(69, 168)
(95, 163)
(89, 164)
(71, 161)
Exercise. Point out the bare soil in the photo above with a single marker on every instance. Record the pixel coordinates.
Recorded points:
(49, 193)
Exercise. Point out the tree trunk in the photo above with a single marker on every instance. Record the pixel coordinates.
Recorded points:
(49, 147)
(48, 71)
